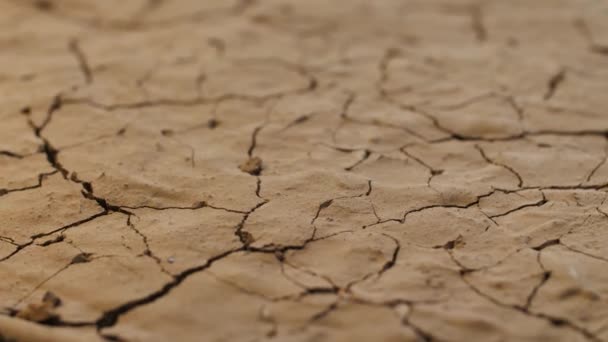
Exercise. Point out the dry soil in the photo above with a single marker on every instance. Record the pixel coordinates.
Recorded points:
(303, 170)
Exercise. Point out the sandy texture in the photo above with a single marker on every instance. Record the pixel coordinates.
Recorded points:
(289, 170)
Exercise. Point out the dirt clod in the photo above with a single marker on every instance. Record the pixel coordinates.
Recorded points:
(252, 166)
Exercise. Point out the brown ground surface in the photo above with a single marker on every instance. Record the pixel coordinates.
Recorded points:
(230, 170)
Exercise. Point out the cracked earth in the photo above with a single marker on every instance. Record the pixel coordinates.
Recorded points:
(234, 170)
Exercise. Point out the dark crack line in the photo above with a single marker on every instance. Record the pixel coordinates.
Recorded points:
(525, 134)
(322, 206)
(384, 95)
(254, 140)
(298, 121)
(378, 219)
(325, 312)
(600, 164)
(422, 335)
(71, 225)
(448, 247)
(464, 270)
(488, 216)
(545, 276)
(554, 82)
(595, 187)
(581, 25)
(258, 188)
(246, 290)
(299, 69)
(435, 122)
(345, 149)
(517, 108)
(520, 181)
(51, 156)
(600, 49)
(378, 123)
(366, 155)
(432, 171)
(199, 205)
(477, 23)
(244, 236)
(57, 239)
(546, 244)
(369, 188)
(389, 264)
(56, 105)
(455, 206)
(572, 249)
(374, 123)
(147, 251)
(420, 161)
(281, 257)
(600, 211)
(8, 240)
(467, 269)
(41, 178)
(472, 100)
(11, 154)
(74, 47)
(281, 249)
(61, 229)
(326, 204)
(385, 267)
(103, 202)
(308, 290)
(348, 102)
(77, 259)
(540, 203)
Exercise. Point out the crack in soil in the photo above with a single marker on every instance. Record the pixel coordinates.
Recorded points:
(390, 87)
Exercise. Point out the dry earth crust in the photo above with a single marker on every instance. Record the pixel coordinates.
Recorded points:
(319, 170)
